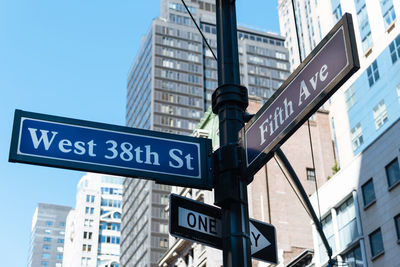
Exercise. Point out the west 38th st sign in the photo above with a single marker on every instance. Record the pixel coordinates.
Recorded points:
(330, 64)
(82, 145)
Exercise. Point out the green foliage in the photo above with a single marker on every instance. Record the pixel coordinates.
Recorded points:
(335, 168)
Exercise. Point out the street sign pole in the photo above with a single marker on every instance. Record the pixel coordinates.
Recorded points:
(229, 102)
(306, 201)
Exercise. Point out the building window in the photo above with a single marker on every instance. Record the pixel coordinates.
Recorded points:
(47, 239)
(397, 225)
(363, 22)
(59, 256)
(60, 241)
(164, 243)
(356, 136)
(84, 247)
(376, 242)
(337, 10)
(398, 92)
(88, 223)
(353, 258)
(350, 96)
(310, 174)
(368, 192)
(327, 227)
(373, 73)
(45, 263)
(393, 173)
(49, 223)
(388, 13)
(45, 255)
(394, 48)
(380, 115)
(347, 225)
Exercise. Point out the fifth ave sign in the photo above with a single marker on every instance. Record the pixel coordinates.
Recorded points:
(328, 66)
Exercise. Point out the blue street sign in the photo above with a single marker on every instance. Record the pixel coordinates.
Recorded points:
(98, 147)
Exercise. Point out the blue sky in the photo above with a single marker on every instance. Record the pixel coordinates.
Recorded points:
(71, 59)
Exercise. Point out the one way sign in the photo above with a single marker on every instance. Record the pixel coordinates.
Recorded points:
(202, 223)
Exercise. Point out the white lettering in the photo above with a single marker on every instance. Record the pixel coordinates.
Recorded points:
(91, 148)
(303, 92)
(149, 154)
(179, 161)
(62, 146)
(43, 137)
(79, 148)
(288, 108)
(189, 158)
(264, 130)
(112, 149)
(138, 151)
(323, 76)
(314, 81)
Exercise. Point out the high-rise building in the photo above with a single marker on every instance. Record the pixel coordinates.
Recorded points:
(368, 103)
(47, 235)
(169, 87)
(92, 235)
(359, 205)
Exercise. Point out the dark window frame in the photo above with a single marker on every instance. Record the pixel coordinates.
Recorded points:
(397, 226)
(397, 181)
(376, 254)
(310, 177)
(372, 201)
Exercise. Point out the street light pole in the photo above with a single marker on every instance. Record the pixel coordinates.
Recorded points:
(229, 102)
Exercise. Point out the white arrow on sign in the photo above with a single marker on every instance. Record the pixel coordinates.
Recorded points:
(258, 241)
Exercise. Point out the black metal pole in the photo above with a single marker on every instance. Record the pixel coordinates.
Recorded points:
(229, 102)
(306, 201)
(297, 32)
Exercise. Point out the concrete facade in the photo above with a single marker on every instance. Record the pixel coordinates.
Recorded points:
(93, 227)
(377, 215)
(47, 235)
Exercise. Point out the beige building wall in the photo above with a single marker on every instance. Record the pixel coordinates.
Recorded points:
(271, 199)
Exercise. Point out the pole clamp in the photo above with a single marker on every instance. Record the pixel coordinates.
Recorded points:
(229, 93)
(227, 158)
